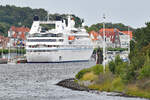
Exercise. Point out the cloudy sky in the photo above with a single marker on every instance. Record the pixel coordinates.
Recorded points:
(130, 12)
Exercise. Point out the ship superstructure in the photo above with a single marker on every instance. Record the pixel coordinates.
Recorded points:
(62, 43)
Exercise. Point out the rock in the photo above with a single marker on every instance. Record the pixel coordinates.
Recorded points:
(70, 83)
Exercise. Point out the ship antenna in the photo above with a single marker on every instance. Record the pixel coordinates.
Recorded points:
(47, 15)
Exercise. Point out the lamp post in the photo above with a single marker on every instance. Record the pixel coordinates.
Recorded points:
(104, 44)
(128, 44)
(2, 47)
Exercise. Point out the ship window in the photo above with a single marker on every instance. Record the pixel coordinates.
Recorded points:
(48, 26)
(41, 50)
(42, 40)
(61, 40)
(70, 42)
(59, 35)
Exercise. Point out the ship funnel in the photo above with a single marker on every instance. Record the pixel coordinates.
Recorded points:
(36, 18)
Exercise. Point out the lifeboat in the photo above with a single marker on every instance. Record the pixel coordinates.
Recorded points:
(71, 37)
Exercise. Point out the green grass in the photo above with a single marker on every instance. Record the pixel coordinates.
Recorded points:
(89, 76)
(97, 69)
(118, 86)
(110, 83)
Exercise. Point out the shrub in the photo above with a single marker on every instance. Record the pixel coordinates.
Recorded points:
(145, 72)
(118, 60)
(81, 73)
(128, 74)
(105, 77)
(117, 84)
(120, 68)
(89, 76)
(97, 69)
(112, 67)
(144, 84)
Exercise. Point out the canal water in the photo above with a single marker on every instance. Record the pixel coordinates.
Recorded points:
(37, 82)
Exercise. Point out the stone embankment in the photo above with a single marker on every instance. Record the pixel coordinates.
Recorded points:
(71, 84)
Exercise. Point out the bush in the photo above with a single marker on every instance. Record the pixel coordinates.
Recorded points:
(117, 66)
(118, 60)
(128, 74)
(120, 68)
(97, 69)
(89, 76)
(145, 72)
(81, 73)
(118, 85)
(112, 67)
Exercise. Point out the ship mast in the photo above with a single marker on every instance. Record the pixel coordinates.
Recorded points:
(47, 15)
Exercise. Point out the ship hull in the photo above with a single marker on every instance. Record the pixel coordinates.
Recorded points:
(61, 55)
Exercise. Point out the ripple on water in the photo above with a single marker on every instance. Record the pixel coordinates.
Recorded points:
(36, 82)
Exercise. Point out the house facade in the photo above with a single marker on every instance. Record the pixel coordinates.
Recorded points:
(3, 42)
(18, 35)
(114, 38)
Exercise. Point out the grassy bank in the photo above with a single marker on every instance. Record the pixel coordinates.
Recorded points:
(107, 81)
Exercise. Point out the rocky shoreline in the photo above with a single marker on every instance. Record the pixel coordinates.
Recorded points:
(71, 84)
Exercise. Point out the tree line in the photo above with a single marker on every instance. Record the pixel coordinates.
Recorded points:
(98, 26)
(23, 16)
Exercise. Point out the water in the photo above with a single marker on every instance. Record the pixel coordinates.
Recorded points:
(37, 82)
(12, 55)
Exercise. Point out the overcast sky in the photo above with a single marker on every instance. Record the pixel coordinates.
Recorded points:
(129, 12)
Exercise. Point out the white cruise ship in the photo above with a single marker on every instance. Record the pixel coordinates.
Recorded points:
(63, 43)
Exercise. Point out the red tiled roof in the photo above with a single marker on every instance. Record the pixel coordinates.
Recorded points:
(110, 33)
(22, 36)
(128, 32)
(95, 35)
(19, 32)
(20, 29)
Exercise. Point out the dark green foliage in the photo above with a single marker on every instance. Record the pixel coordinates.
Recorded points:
(4, 28)
(97, 27)
(132, 45)
(23, 16)
(12, 15)
(112, 66)
(142, 36)
(97, 69)
(117, 49)
(128, 74)
(81, 73)
(122, 69)
(145, 72)
(139, 67)
(118, 60)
